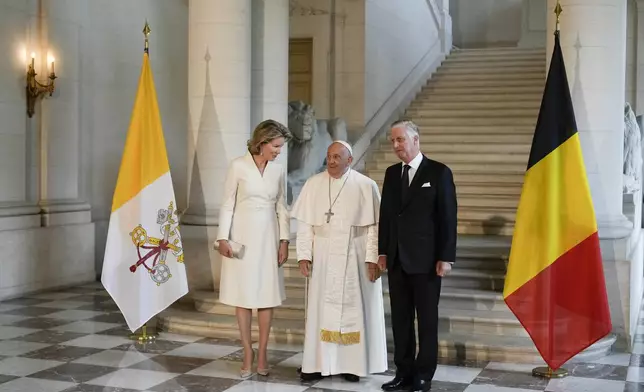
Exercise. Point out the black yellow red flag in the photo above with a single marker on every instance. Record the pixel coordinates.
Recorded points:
(555, 281)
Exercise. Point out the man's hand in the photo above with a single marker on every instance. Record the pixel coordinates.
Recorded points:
(305, 267)
(282, 254)
(442, 268)
(374, 271)
(382, 263)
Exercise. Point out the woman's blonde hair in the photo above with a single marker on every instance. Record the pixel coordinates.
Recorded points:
(266, 132)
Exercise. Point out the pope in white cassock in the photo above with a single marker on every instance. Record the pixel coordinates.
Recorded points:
(337, 248)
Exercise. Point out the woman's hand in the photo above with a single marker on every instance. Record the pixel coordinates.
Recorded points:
(225, 249)
(282, 254)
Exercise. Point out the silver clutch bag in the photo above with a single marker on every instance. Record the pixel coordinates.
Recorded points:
(237, 248)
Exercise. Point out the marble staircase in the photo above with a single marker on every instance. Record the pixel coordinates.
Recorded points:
(476, 114)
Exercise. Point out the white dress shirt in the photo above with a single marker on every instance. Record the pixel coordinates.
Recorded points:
(414, 164)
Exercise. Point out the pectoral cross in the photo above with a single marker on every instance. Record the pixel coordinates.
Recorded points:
(328, 214)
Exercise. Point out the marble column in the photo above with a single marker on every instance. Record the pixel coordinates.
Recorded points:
(219, 95)
(446, 25)
(638, 105)
(18, 147)
(270, 39)
(219, 99)
(62, 179)
(593, 41)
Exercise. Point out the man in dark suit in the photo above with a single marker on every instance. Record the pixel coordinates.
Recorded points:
(417, 245)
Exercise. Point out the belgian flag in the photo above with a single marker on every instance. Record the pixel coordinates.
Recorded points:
(555, 280)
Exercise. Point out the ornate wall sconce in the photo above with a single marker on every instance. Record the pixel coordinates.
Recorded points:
(35, 89)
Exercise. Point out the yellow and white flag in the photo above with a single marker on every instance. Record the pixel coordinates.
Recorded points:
(143, 266)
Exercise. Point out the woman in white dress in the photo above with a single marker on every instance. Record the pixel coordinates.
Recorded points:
(254, 214)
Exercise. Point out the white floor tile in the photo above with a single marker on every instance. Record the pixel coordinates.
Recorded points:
(132, 379)
(512, 367)
(34, 385)
(635, 374)
(6, 319)
(282, 347)
(7, 332)
(98, 341)
(55, 296)
(638, 348)
(256, 386)
(74, 315)
(456, 374)
(367, 384)
(203, 350)
(15, 347)
(294, 362)
(17, 366)
(494, 388)
(8, 307)
(614, 359)
(86, 327)
(115, 358)
(173, 337)
(579, 384)
(219, 369)
(63, 304)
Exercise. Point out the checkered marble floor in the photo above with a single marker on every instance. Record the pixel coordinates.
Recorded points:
(75, 340)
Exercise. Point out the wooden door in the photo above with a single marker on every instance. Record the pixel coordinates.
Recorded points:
(300, 70)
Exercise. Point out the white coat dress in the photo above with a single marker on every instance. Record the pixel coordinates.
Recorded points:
(253, 213)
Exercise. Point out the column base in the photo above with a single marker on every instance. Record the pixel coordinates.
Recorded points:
(193, 219)
(614, 226)
(16, 216)
(65, 212)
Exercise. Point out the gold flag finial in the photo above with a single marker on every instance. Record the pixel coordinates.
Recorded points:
(146, 33)
(558, 11)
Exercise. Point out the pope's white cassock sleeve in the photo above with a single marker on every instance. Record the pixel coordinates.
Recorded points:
(345, 325)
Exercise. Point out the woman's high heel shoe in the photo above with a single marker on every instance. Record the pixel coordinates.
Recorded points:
(245, 373)
(262, 372)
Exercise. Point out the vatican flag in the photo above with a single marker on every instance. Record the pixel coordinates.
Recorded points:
(143, 266)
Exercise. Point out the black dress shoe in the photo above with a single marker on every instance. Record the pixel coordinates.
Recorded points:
(310, 376)
(422, 386)
(351, 377)
(398, 384)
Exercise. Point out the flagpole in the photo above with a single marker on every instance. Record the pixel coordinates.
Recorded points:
(143, 336)
(547, 371)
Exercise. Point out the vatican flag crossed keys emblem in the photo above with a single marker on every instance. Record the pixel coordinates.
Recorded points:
(155, 260)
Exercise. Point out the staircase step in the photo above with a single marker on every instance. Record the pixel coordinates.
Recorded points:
(492, 280)
(476, 132)
(429, 138)
(502, 83)
(482, 189)
(463, 146)
(478, 121)
(463, 113)
(475, 64)
(487, 201)
(536, 68)
(487, 105)
(208, 302)
(467, 176)
(487, 214)
(472, 167)
(498, 227)
(539, 76)
(462, 97)
(511, 52)
(491, 92)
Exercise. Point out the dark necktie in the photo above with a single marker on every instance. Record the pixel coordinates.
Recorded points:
(405, 182)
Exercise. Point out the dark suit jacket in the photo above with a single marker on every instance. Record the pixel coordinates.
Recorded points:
(421, 230)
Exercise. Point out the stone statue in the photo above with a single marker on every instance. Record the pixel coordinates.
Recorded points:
(632, 152)
(307, 148)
